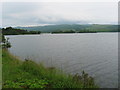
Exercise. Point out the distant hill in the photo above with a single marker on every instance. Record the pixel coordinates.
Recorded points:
(74, 27)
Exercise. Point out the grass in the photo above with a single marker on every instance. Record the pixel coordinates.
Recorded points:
(0, 68)
(28, 74)
(0, 62)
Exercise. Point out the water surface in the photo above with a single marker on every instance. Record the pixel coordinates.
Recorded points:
(96, 53)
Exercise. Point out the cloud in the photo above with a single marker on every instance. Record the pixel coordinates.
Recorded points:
(27, 13)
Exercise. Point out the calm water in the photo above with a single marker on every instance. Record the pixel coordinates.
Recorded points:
(96, 53)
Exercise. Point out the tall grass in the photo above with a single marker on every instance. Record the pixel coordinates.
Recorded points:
(28, 74)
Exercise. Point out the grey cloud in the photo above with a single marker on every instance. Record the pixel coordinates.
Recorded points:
(58, 13)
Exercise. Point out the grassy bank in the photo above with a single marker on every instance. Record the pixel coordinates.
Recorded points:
(28, 74)
(0, 67)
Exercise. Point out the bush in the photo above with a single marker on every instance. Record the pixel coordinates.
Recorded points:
(25, 83)
(6, 43)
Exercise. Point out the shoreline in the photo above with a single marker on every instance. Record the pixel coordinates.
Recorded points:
(60, 34)
(28, 70)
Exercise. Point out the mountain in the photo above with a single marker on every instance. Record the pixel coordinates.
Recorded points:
(74, 27)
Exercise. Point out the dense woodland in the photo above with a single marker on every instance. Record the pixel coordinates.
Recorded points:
(14, 31)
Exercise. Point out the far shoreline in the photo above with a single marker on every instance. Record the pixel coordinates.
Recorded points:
(58, 33)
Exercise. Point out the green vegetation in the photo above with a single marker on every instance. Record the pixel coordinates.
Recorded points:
(28, 74)
(13, 31)
(63, 28)
(73, 31)
(0, 67)
(64, 31)
(6, 43)
(74, 27)
(87, 31)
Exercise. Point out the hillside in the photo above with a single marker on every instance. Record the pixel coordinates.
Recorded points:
(74, 27)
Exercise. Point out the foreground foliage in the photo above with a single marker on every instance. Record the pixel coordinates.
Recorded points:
(5, 42)
(28, 74)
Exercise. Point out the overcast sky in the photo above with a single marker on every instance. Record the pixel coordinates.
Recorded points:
(44, 13)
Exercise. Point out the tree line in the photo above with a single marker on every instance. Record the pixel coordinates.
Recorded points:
(14, 31)
(73, 31)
